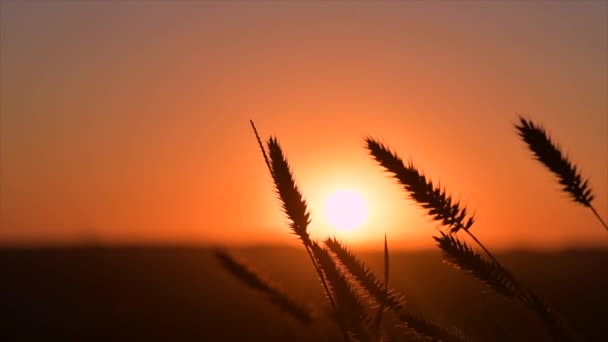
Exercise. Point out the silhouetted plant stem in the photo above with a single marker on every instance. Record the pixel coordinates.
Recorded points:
(385, 297)
(257, 136)
(599, 217)
(327, 291)
(294, 207)
(321, 276)
(351, 312)
(481, 245)
(426, 330)
(452, 215)
(496, 262)
(255, 281)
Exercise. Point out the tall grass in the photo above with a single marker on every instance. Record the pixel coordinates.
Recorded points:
(455, 218)
(353, 291)
(340, 273)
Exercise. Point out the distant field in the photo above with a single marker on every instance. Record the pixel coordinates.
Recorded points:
(182, 294)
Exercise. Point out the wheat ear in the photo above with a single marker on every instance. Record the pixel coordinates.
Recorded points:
(551, 156)
(441, 208)
(434, 199)
(394, 301)
(364, 276)
(438, 204)
(294, 206)
(255, 281)
(460, 255)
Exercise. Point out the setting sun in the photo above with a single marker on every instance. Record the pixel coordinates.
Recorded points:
(345, 210)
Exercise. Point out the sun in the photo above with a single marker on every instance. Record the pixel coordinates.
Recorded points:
(345, 210)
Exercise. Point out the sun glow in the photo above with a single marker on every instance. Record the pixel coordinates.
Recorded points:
(345, 210)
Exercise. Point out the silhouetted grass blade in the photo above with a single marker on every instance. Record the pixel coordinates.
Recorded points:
(349, 309)
(380, 314)
(255, 281)
(363, 275)
(392, 300)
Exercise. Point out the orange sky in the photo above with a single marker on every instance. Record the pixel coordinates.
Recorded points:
(128, 121)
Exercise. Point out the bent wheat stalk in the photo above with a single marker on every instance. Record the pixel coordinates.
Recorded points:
(392, 300)
(453, 216)
(438, 204)
(551, 156)
(349, 309)
(295, 208)
(255, 281)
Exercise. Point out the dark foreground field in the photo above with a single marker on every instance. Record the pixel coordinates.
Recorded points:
(177, 294)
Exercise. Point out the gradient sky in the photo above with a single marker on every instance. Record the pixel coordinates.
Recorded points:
(128, 121)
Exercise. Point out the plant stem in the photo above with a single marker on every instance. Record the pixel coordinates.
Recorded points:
(533, 302)
(384, 299)
(599, 217)
(306, 241)
(484, 248)
(308, 246)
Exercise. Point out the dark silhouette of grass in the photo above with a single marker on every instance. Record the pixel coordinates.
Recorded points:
(452, 215)
(294, 207)
(255, 281)
(336, 270)
(462, 256)
(385, 294)
(347, 281)
(551, 156)
(434, 199)
(376, 289)
(350, 311)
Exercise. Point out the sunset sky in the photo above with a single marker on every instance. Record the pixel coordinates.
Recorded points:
(128, 122)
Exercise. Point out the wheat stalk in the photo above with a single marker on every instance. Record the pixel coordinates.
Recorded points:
(364, 276)
(460, 255)
(349, 309)
(438, 204)
(440, 207)
(394, 301)
(550, 155)
(255, 281)
(295, 208)
(292, 202)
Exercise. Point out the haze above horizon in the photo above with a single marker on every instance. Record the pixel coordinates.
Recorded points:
(128, 122)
